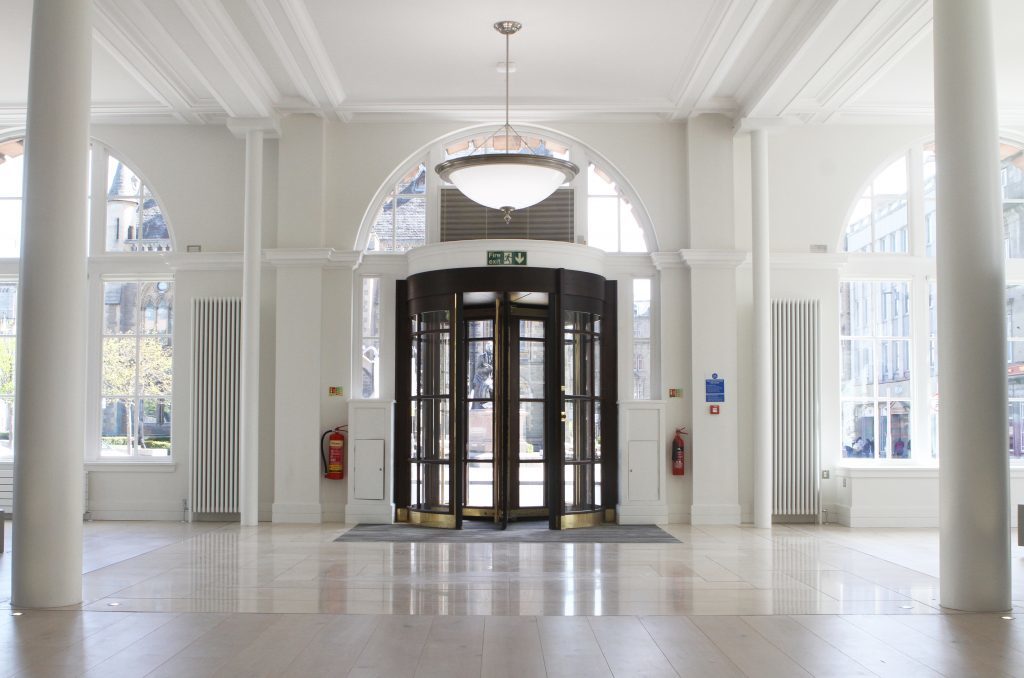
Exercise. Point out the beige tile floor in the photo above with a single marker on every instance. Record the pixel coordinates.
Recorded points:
(169, 599)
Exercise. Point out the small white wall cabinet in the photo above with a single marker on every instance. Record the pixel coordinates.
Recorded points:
(370, 474)
(642, 491)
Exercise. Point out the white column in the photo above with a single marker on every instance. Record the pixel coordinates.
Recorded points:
(248, 480)
(715, 437)
(300, 320)
(49, 426)
(762, 333)
(974, 562)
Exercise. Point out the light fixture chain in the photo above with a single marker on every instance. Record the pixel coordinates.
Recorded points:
(508, 67)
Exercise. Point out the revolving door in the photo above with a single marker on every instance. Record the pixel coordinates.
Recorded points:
(503, 413)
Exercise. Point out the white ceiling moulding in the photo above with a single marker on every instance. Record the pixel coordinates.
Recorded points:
(737, 23)
(142, 62)
(282, 49)
(771, 79)
(240, 64)
(879, 42)
(271, 126)
(312, 46)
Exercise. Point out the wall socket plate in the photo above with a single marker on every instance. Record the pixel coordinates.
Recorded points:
(824, 474)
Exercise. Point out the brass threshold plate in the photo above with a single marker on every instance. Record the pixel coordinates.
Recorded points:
(574, 520)
(431, 519)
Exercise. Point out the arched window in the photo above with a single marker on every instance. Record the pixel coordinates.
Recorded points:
(611, 224)
(134, 220)
(401, 221)
(401, 218)
(880, 219)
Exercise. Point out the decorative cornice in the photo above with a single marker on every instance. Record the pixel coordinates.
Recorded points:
(271, 127)
(666, 260)
(712, 258)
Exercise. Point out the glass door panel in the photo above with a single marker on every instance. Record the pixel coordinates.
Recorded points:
(580, 471)
(431, 425)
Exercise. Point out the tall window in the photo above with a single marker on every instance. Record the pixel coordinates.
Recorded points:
(12, 168)
(1015, 367)
(875, 383)
(371, 338)
(642, 339)
(8, 333)
(138, 319)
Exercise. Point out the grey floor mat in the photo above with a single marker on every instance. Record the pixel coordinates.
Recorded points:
(523, 532)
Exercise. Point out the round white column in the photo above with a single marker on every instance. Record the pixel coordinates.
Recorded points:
(249, 452)
(762, 333)
(49, 424)
(974, 564)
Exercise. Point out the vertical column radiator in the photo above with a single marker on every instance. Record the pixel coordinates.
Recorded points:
(216, 353)
(795, 409)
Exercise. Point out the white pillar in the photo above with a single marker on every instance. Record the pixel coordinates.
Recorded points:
(762, 333)
(974, 563)
(715, 437)
(49, 426)
(250, 382)
(298, 378)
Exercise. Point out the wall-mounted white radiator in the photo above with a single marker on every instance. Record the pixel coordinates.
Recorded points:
(216, 351)
(795, 408)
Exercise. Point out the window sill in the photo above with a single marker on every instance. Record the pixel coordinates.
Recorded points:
(901, 471)
(95, 466)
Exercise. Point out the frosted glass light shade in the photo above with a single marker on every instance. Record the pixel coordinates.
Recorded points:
(502, 181)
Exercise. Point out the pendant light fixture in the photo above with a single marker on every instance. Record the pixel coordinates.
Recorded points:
(507, 181)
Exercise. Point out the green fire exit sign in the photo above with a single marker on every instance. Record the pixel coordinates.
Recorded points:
(506, 258)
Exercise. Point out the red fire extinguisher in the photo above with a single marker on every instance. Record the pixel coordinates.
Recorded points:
(679, 453)
(334, 459)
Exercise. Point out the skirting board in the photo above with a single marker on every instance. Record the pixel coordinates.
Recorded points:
(632, 514)
(881, 517)
(715, 514)
(297, 513)
(136, 510)
(372, 514)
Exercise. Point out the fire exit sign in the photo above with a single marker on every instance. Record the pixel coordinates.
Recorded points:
(506, 258)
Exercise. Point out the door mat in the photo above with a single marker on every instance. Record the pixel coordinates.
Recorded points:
(517, 532)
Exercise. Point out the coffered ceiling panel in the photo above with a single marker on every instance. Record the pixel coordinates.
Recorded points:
(798, 61)
(569, 52)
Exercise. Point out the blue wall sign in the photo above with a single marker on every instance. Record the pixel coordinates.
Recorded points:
(714, 389)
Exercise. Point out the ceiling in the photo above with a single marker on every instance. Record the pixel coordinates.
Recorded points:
(817, 61)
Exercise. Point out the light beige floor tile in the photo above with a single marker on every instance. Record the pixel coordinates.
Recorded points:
(512, 648)
(454, 649)
(571, 649)
(688, 649)
(880, 657)
(748, 649)
(628, 648)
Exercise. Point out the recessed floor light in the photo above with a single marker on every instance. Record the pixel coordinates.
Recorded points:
(907, 607)
(1006, 616)
(17, 614)
(113, 604)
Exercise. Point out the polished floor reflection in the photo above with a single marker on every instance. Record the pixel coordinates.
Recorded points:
(179, 600)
